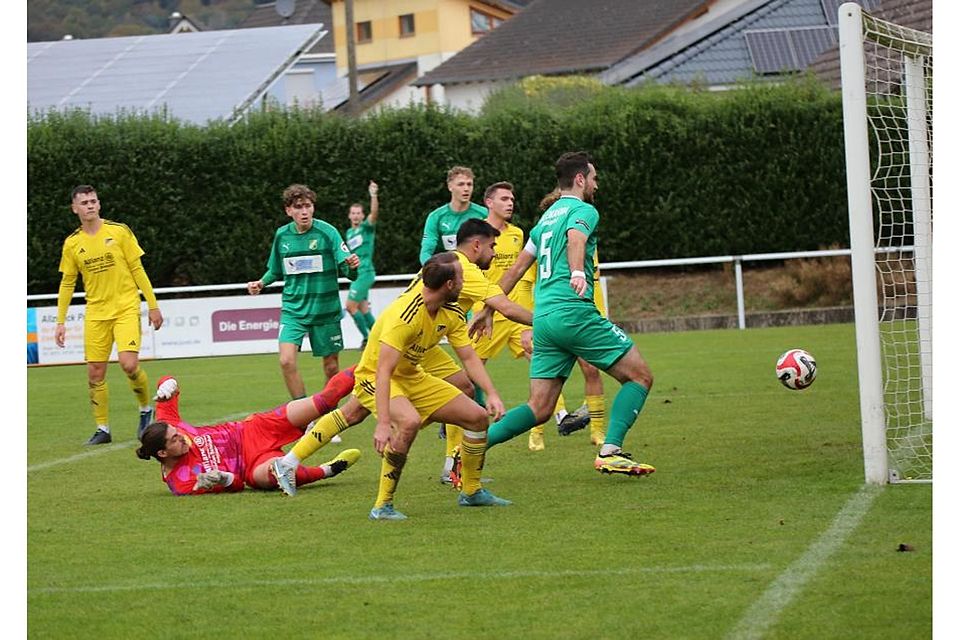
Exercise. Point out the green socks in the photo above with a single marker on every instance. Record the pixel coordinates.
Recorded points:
(626, 407)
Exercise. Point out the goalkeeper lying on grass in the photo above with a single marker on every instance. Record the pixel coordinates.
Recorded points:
(225, 456)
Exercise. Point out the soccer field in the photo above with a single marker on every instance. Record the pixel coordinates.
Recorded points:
(756, 524)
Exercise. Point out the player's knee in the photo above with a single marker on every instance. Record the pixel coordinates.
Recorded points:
(644, 376)
(288, 363)
(354, 412)
(130, 367)
(463, 383)
(331, 368)
(404, 434)
(476, 420)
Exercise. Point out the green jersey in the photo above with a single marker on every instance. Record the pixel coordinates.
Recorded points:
(360, 240)
(440, 229)
(309, 264)
(548, 242)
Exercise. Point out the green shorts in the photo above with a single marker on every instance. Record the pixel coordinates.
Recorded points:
(565, 334)
(360, 288)
(325, 339)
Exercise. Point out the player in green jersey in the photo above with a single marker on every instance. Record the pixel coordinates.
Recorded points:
(360, 239)
(309, 255)
(440, 229)
(567, 323)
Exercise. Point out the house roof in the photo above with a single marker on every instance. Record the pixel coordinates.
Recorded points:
(556, 37)
(306, 12)
(754, 36)
(374, 85)
(194, 77)
(914, 14)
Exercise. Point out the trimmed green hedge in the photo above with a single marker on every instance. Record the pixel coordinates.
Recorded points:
(681, 174)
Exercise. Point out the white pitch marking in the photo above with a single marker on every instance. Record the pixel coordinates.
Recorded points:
(101, 449)
(430, 577)
(763, 613)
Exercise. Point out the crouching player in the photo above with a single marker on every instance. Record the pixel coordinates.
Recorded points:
(226, 456)
(392, 383)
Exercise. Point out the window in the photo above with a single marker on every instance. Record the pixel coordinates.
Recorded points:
(481, 22)
(407, 25)
(364, 32)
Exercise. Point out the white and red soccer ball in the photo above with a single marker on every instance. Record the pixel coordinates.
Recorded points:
(796, 369)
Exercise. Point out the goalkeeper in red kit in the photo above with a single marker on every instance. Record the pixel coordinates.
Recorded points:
(231, 455)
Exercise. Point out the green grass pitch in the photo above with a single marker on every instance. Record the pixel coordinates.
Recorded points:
(756, 523)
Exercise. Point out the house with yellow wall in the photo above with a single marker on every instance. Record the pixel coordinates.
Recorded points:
(398, 41)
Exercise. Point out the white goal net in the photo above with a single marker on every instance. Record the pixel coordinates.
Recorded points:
(887, 76)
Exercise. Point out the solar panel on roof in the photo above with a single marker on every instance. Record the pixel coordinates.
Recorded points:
(808, 44)
(196, 77)
(782, 50)
(771, 51)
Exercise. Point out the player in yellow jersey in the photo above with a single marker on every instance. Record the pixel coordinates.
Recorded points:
(476, 247)
(392, 383)
(107, 256)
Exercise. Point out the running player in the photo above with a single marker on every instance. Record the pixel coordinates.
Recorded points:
(227, 456)
(594, 405)
(392, 383)
(360, 239)
(107, 256)
(309, 255)
(567, 323)
(499, 200)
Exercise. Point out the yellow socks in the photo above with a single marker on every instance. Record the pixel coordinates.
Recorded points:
(391, 466)
(472, 454)
(454, 438)
(138, 383)
(319, 435)
(100, 402)
(597, 407)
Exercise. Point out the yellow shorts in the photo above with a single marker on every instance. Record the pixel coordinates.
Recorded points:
(99, 336)
(425, 392)
(439, 363)
(506, 332)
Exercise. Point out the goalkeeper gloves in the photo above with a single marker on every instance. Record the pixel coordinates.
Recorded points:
(211, 479)
(167, 389)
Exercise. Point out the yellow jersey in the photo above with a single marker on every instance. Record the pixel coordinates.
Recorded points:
(406, 326)
(509, 246)
(104, 261)
(476, 287)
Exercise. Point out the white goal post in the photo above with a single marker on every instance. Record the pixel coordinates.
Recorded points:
(887, 76)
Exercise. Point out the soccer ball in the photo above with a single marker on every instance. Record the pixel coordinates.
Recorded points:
(796, 369)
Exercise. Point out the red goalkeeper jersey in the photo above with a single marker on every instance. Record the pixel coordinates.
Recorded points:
(217, 447)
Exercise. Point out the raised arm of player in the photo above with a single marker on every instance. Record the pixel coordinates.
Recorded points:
(374, 203)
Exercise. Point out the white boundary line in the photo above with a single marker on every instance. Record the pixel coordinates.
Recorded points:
(763, 613)
(413, 578)
(101, 449)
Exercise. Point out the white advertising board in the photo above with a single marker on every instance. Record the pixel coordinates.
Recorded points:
(192, 327)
